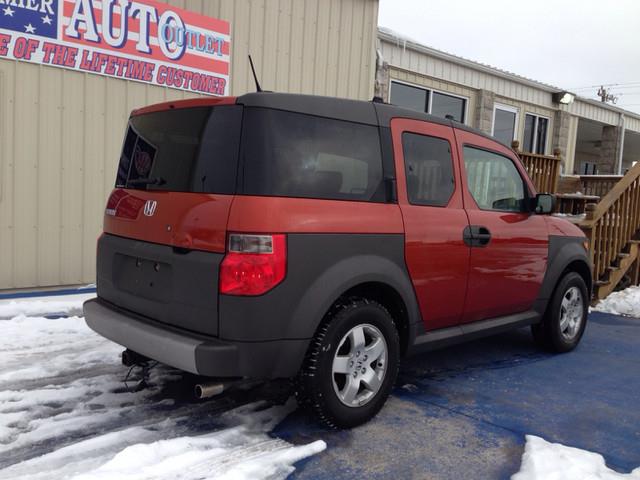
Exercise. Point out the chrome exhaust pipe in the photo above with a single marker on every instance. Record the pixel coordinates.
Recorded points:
(207, 390)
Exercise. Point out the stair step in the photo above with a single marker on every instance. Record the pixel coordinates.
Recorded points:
(601, 283)
(623, 255)
(634, 241)
(613, 268)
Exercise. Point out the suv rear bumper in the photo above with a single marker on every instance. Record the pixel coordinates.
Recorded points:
(197, 354)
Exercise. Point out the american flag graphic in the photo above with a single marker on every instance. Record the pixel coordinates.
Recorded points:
(35, 18)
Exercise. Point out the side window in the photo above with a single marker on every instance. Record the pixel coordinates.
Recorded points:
(429, 169)
(494, 181)
(297, 155)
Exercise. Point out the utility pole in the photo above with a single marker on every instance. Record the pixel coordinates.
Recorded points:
(606, 96)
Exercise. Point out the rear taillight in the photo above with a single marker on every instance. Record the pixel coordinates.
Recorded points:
(254, 264)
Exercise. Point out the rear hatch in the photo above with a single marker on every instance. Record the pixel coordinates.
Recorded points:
(165, 222)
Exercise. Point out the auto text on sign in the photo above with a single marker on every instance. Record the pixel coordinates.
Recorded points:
(140, 40)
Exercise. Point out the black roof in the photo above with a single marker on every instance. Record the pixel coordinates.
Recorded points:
(370, 113)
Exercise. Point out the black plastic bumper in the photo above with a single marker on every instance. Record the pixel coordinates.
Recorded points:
(195, 353)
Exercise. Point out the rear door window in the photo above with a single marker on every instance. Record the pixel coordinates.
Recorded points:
(429, 169)
(296, 155)
(182, 150)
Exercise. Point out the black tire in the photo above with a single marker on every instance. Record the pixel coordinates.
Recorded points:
(548, 334)
(315, 383)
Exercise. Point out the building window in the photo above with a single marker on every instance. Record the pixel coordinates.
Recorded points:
(505, 121)
(535, 133)
(440, 104)
(410, 97)
(443, 105)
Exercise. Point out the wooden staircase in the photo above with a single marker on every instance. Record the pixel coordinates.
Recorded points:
(612, 225)
(613, 229)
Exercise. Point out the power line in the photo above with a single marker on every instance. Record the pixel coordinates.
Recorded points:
(621, 85)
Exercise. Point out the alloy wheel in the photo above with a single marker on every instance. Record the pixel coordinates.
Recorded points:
(359, 365)
(571, 313)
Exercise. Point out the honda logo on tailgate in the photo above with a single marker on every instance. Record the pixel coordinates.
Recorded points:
(150, 207)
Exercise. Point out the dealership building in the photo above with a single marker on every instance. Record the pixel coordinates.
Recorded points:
(591, 136)
(72, 70)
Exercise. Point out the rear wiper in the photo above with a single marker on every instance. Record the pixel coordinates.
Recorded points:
(147, 181)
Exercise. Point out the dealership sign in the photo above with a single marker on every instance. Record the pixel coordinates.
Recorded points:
(139, 40)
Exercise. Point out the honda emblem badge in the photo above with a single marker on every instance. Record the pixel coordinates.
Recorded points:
(150, 207)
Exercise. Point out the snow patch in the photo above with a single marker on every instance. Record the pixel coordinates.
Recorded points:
(543, 460)
(66, 414)
(55, 305)
(625, 302)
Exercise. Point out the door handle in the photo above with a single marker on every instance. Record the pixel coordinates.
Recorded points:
(476, 236)
(483, 235)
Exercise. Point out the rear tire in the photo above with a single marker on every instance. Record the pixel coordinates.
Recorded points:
(566, 317)
(351, 365)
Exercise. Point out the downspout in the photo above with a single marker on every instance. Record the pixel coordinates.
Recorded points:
(621, 143)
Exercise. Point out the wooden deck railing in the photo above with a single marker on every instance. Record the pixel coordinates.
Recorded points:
(543, 170)
(611, 226)
(598, 185)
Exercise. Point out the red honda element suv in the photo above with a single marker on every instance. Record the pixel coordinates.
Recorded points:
(289, 236)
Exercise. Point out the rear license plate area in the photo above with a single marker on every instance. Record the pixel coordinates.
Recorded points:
(143, 277)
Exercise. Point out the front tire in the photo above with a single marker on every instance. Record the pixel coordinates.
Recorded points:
(351, 365)
(566, 317)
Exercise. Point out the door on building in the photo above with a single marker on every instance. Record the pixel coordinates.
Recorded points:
(434, 218)
(505, 123)
(535, 133)
(506, 272)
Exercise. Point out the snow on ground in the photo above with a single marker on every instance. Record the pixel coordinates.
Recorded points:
(50, 306)
(552, 461)
(624, 302)
(66, 413)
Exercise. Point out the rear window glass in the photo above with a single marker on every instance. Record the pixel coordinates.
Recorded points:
(182, 150)
(297, 155)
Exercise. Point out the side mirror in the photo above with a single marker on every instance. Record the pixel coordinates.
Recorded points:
(544, 203)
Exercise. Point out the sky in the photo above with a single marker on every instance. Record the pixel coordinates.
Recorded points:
(574, 45)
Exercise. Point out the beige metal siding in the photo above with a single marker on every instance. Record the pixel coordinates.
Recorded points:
(322, 47)
(61, 130)
(632, 123)
(593, 112)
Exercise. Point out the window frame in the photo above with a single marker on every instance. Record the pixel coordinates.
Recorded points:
(535, 128)
(406, 173)
(506, 108)
(525, 186)
(430, 92)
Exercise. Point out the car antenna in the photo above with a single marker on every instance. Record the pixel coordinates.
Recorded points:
(255, 77)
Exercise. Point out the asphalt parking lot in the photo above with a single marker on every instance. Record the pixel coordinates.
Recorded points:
(463, 412)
